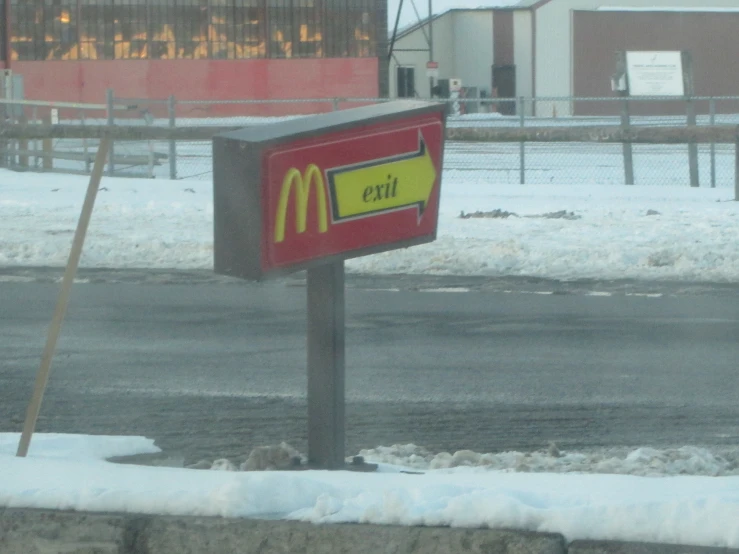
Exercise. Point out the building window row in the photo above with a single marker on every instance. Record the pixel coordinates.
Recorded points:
(192, 29)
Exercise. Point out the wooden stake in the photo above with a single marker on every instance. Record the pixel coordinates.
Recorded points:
(736, 167)
(42, 378)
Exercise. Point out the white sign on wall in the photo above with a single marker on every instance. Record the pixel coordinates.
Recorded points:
(655, 73)
(432, 70)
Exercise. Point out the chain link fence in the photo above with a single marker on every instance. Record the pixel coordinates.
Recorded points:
(493, 163)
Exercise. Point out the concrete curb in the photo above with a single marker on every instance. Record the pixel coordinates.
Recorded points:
(60, 532)
(611, 547)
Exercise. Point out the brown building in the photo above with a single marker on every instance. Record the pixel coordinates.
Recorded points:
(710, 37)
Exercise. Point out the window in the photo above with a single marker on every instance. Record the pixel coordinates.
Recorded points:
(60, 30)
(44, 30)
(220, 29)
(361, 26)
(250, 29)
(94, 35)
(337, 28)
(350, 28)
(3, 41)
(191, 29)
(161, 30)
(280, 17)
(27, 33)
(130, 35)
(309, 29)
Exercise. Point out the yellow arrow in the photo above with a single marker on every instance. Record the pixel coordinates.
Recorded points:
(379, 186)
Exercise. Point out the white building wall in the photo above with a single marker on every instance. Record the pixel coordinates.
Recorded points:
(416, 40)
(473, 52)
(463, 46)
(523, 54)
(417, 60)
(445, 46)
(554, 76)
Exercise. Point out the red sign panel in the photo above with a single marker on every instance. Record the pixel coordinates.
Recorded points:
(352, 190)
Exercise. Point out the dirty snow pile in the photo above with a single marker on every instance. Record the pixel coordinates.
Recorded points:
(645, 461)
(688, 460)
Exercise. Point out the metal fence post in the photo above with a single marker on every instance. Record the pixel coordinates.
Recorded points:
(522, 145)
(34, 116)
(692, 145)
(110, 99)
(23, 144)
(47, 145)
(712, 109)
(689, 86)
(88, 167)
(171, 109)
(628, 150)
(5, 109)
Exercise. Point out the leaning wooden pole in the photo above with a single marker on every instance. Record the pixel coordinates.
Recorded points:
(42, 378)
(736, 167)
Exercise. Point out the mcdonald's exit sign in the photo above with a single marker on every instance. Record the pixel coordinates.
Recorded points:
(323, 188)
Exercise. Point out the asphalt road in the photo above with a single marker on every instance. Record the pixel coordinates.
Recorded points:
(213, 368)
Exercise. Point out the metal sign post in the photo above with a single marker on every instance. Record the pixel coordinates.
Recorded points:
(310, 193)
(326, 365)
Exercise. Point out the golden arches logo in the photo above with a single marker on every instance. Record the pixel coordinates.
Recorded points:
(302, 183)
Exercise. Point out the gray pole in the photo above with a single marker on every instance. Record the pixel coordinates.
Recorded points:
(110, 99)
(522, 145)
(691, 117)
(431, 45)
(171, 106)
(326, 366)
(627, 147)
(692, 146)
(712, 109)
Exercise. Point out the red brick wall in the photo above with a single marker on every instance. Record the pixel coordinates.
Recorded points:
(87, 81)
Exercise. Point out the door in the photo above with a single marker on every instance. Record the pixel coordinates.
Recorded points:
(406, 82)
(504, 83)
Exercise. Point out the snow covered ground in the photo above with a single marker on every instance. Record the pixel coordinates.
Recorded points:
(69, 472)
(566, 231)
(551, 231)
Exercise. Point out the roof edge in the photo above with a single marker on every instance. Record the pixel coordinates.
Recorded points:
(419, 24)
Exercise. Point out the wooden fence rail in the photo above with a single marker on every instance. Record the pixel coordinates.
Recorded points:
(717, 134)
